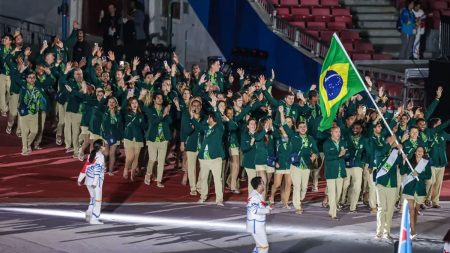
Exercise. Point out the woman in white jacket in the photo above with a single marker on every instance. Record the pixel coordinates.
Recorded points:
(94, 172)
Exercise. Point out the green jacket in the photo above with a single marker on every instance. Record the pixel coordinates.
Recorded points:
(358, 150)
(390, 178)
(111, 125)
(284, 151)
(304, 146)
(261, 148)
(4, 69)
(73, 101)
(211, 144)
(134, 126)
(289, 111)
(378, 147)
(158, 126)
(416, 187)
(438, 149)
(334, 165)
(410, 146)
(98, 109)
(193, 139)
(248, 150)
(313, 115)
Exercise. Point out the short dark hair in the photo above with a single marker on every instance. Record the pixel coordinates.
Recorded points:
(256, 181)
(312, 93)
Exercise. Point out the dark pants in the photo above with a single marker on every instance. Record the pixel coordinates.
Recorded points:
(407, 45)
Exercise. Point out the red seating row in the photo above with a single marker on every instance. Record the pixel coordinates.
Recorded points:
(313, 11)
(330, 3)
(369, 56)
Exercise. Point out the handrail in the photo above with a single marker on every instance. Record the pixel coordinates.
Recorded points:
(299, 36)
(22, 20)
(33, 33)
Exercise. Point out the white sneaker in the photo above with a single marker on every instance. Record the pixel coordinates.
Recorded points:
(95, 222)
(200, 201)
(87, 216)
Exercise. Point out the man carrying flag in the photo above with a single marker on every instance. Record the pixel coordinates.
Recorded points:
(338, 82)
(404, 240)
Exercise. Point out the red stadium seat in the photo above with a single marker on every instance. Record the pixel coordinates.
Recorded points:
(330, 3)
(338, 26)
(340, 12)
(382, 57)
(313, 33)
(349, 36)
(300, 11)
(322, 18)
(310, 3)
(361, 56)
(326, 35)
(348, 46)
(298, 24)
(366, 47)
(348, 20)
(282, 12)
(316, 25)
(440, 5)
(288, 2)
(320, 11)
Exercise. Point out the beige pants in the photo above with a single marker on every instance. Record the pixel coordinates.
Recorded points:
(72, 130)
(334, 191)
(5, 84)
(13, 110)
(371, 188)
(354, 181)
(192, 169)
(42, 117)
(315, 172)
(29, 130)
(61, 110)
(386, 202)
(215, 166)
(251, 173)
(434, 185)
(156, 153)
(300, 178)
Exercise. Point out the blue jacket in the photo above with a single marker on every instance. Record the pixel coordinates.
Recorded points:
(408, 21)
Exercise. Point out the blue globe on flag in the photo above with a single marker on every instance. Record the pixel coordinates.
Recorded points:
(333, 84)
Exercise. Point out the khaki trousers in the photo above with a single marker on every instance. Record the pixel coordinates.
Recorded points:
(5, 84)
(61, 109)
(354, 181)
(29, 130)
(156, 153)
(192, 169)
(434, 185)
(13, 110)
(315, 172)
(72, 130)
(334, 191)
(386, 202)
(368, 177)
(215, 166)
(41, 123)
(300, 178)
(251, 173)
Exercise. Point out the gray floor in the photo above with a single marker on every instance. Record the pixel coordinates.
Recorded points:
(191, 227)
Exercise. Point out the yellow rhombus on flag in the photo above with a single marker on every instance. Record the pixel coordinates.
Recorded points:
(339, 80)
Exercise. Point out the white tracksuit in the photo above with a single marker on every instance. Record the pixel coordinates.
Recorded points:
(95, 175)
(256, 221)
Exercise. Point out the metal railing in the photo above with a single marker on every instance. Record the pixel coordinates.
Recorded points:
(298, 36)
(33, 33)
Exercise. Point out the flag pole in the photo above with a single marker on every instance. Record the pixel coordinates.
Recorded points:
(373, 101)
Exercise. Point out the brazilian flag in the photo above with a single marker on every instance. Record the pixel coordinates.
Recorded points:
(339, 81)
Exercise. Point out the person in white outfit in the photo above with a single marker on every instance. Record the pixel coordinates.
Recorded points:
(256, 216)
(420, 24)
(94, 173)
